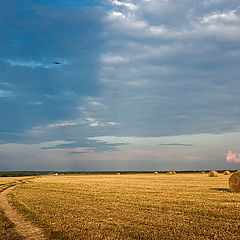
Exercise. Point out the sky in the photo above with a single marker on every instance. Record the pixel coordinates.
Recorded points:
(141, 85)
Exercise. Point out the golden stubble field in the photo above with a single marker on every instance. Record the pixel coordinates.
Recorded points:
(10, 181)
(131, 206)
(7, 231)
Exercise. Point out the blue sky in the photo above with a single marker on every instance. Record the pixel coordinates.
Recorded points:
(142, 85)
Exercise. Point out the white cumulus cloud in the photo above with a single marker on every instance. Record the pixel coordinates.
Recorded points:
(129, 5)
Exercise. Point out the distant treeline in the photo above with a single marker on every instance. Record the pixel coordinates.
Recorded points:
(37, 173)
(24, 173)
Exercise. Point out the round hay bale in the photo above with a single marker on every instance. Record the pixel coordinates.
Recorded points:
(213, 174)
(118, 173)
(55, 174)
(169, 173)
(174, 173)
(234, 182)
(202, 172)
(238, 170)
(226, 173)
(155, 173)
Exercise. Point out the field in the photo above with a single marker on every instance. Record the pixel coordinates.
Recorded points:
(131, 206)
(7, 231)
(8, 181)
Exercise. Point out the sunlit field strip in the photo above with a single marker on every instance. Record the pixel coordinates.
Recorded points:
(134, 206)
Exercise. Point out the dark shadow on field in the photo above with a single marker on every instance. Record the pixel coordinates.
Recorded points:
(220, 189)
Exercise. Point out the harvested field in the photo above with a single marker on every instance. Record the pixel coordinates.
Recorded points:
(134, 206)
(7, 230)
(5, 182)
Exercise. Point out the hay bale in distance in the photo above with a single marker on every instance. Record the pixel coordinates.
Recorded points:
(155, 173)
(213, 174)
(174, 173)
(169, 173)
(118, 173)
(226, 173)
(202, 172)
(55, 174)
(234, 182)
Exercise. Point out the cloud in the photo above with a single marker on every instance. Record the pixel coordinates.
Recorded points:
(233, 157)
(35, 64)
(95, 124)
(176, 144)
(229, 16)
(74, 39)
(149, 93)
(66, 150)
(112, 124)
(87, 121)
(127, 70)
(90, 119)
(116, 15)
(96, 104)
(30, 64)
(5, 93)
(62, 124)
(37, 103)
(137, 71)
(78, 152)
(6, 84)
(129, 5)
(108, 59)
(99, 124)
(83, 145)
